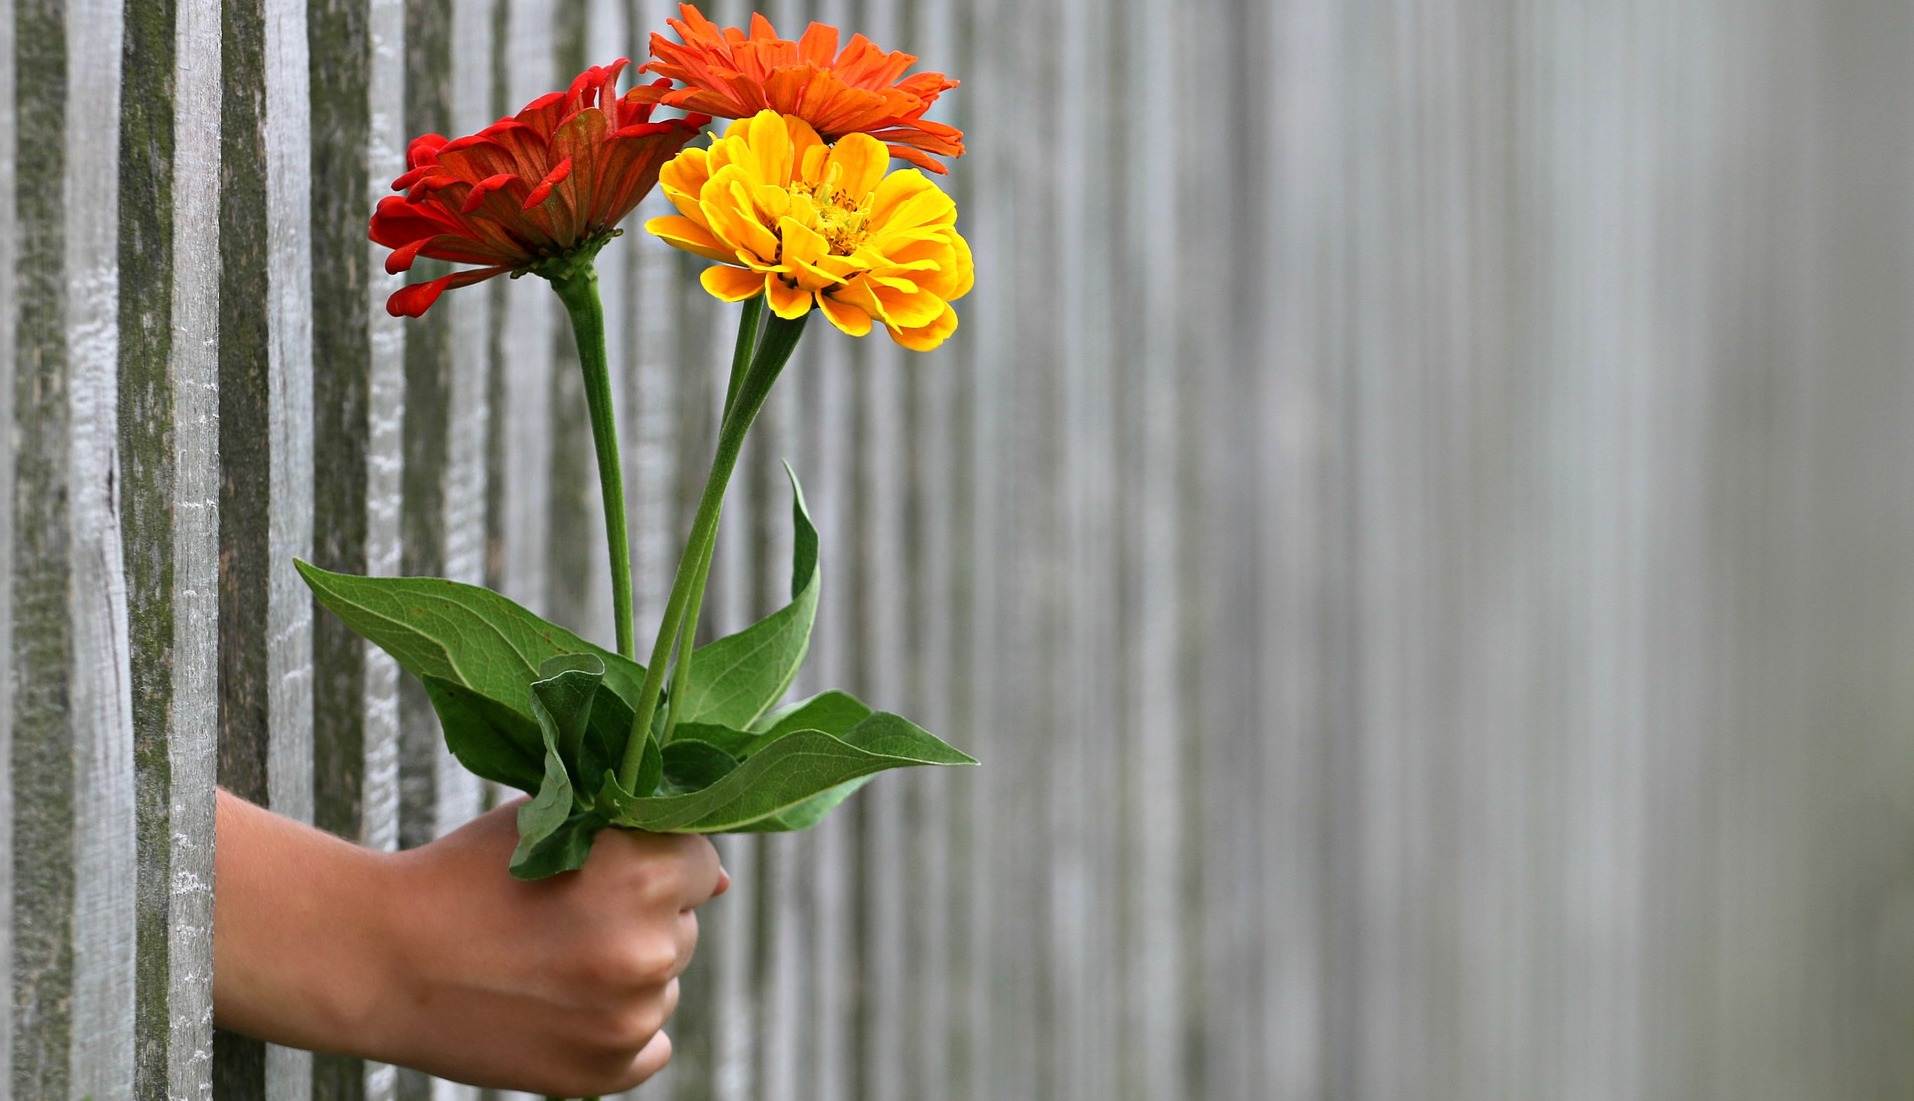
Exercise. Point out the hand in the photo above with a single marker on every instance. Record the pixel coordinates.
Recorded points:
(438, 959)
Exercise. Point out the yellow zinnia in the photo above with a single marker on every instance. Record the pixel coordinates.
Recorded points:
(800, 221)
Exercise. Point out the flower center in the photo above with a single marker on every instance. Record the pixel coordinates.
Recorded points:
(842, 221)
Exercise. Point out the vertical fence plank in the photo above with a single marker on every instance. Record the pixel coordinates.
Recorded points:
(75, 925)
(42, 890)
(10, 250)
(192, 746)
(265, 441)
(168, 365)
(356, 76)
(104, 851)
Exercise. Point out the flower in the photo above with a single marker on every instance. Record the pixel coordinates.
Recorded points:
(854, 92)
(800, 221)
(527, 193)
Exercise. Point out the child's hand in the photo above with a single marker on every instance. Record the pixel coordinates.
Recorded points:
(438, 959)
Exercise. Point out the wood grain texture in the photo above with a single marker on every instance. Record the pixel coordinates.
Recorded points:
(10, 242)
(1413, 522)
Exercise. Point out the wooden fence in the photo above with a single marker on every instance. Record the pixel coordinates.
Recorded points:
(1418, 523)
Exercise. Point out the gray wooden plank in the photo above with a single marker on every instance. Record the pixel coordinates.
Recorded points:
(192, 739)
(10, 242)
(168, 370)
(41, 971)
(147, 438)
(105, 847)
(357, 396)
(289, 425)
(385, 454)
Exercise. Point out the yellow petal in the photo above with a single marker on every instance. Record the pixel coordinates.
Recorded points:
(732, 284)
(787, 301)
(803, 248)
(845, 316)
(858, 160)
(687, 234)
(806, 147)
(907, 199)
(810, 167)
(770, 144)
(682, 177)
(926, 337)
(728, 210)
(907, 309)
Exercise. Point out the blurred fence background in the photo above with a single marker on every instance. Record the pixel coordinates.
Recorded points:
(1418, 523)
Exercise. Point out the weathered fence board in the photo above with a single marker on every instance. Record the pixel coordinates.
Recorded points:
(1414, 522)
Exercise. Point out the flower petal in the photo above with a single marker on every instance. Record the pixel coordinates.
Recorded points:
(845, 316)
(415, 299)
(732, 284)
(681, 232)
(786, 301)
(859, 163)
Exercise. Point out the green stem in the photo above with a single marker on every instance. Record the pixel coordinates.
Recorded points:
(750, 321)
(579, 291)
(780, 339)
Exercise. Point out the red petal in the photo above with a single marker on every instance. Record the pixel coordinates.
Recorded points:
(552, 179)
(490, 183)
(414, 300)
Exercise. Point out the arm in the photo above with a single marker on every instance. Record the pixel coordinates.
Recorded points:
(437, 958)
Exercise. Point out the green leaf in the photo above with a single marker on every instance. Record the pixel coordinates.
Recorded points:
(692, 765)
(798, 767)
(476, 653)
(808, 813)
(555, 828)
(565, 849)
(492, 740)
(832, 712)
(737, 678)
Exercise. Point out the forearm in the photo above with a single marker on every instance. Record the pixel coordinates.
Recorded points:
(302, 934)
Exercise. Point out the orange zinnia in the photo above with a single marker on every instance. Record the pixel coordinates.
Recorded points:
(857, 91)
(529, 192)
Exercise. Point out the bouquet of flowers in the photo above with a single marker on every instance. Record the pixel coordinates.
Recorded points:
(796, 206)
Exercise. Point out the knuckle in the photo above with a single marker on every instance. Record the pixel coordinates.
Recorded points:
(650, 961)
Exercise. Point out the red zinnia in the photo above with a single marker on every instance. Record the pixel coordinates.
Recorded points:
(854, 92)
(526, 190)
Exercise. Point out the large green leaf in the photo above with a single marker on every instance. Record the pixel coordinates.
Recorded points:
(463, 634)
(808, 813)
(491, 739)
(477, 654)
(737, 678)
(796, 768)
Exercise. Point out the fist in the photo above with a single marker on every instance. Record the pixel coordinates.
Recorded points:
(560, 986)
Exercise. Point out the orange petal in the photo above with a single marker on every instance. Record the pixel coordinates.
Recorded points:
(732, 284)
(787, 301)
(845, 316)
(926, 337)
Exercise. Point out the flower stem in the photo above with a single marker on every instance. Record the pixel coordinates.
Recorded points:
(750, 321)
(579, 291)
(774, 350)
